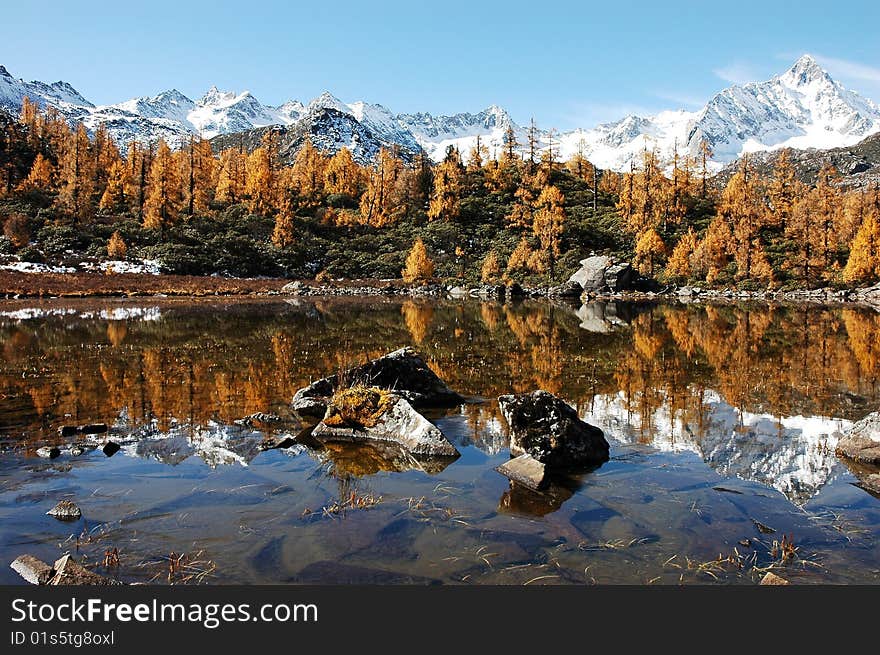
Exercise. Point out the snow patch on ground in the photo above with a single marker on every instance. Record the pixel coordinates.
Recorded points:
(34, 267)
(143, 266)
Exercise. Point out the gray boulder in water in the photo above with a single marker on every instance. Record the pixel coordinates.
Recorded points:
(395, 420)
(65, 510)
(403, 371)
(549, 430)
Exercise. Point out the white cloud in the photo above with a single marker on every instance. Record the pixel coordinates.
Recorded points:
(682, 100)
(851, 69)
(736, 73)
(588, 114)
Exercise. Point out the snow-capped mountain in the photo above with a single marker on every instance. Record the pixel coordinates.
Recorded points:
(436, 133)
(801, 108)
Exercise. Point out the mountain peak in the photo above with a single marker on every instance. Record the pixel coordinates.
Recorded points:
(4, 72)
(172, 95)
(214, 95)
(804, 71)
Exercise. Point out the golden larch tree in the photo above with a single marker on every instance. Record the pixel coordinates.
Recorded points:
(231, 177)
(260, 184)
(549, 224)
(378, 206)
(282, 234)
(445, 201)
(164, 196)
(490, 270)
(649, 252)
(76, 177)
(40, 176)
(863, 264)
(113, 200)
(679, 267)
(342, 175)
(419, 266)
(116, 248)
(308, 175)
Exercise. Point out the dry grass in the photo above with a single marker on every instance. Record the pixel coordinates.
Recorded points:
(357, 407)
(181, 568)
(78, 285)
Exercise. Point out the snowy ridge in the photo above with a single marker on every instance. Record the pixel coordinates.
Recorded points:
(801, 108)
(794, 455)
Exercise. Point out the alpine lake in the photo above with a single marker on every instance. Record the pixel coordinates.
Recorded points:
(722, 421)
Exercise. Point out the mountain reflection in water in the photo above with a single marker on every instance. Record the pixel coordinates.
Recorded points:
(758, 393)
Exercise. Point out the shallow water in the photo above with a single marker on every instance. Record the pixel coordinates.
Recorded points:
(722, 423)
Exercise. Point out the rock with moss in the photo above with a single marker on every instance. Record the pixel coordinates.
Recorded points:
(371, 414)
(403, 371)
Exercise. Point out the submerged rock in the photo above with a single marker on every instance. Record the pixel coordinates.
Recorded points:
(771, 579)
(525, 470)
(402, 371)
(110, 448)
(65, 510)
(69, 572)
(862, 441)
(382, 416)
(549, 430)
(33, 570)
(50, 452)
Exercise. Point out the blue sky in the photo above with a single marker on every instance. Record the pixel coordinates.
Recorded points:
(568, 64)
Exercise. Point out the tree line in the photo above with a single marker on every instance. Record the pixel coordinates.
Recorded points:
(680, 226)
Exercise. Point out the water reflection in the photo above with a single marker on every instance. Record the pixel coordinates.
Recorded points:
(752, 394)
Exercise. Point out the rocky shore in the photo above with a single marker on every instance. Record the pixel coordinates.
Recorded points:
(599, 279)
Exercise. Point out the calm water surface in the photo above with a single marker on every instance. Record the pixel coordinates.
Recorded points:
(722, 422)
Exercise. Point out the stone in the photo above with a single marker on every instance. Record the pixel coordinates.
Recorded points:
(525, 470)
(871, 483)
(489, 291)
(93, 428)
(50, 452)
(402, 371)
(76, 451)
(566, 290)
(67, 430)
(65, 510)
(514, 290)
(862, 441)
(619, 277)
(399, 423)
(550, 430)
(771, 579)
(32, 569)
(591, 275)
(111, 448)
(69, 572)
(293, 287)
(458, 292)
